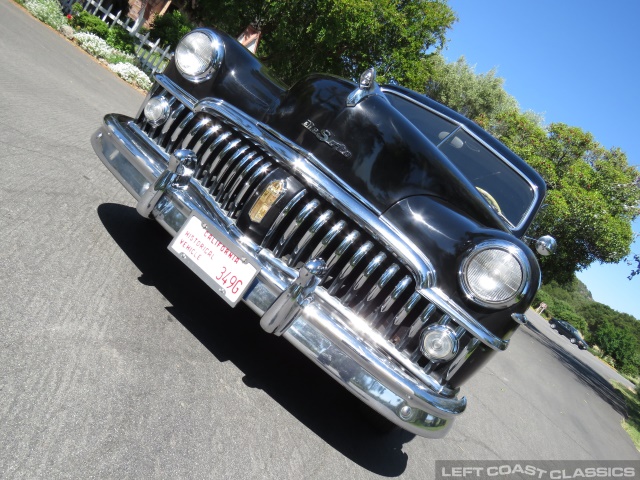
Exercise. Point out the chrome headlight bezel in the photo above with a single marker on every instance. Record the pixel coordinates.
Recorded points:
(189, 49)
(511, 253)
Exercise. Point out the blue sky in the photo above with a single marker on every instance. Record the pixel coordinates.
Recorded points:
(573, 61)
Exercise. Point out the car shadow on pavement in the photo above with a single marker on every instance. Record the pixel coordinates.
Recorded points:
(268, 362)
(585, 374)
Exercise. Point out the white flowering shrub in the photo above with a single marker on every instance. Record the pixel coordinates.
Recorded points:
(47, 11)
(50, 12)
(132, 74)
(99, 48)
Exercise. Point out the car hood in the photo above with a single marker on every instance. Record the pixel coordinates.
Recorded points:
(373, 148)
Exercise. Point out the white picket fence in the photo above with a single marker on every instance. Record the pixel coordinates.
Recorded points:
(150, 55)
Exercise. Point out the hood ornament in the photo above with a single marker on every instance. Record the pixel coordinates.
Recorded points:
(366, 87)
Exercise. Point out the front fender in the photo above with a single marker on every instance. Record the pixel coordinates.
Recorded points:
(445, 235)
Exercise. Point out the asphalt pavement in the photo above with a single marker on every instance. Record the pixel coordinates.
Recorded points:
(117, 362)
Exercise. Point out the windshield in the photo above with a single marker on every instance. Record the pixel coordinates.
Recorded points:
(504, 188)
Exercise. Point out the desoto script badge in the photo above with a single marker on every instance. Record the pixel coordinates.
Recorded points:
(325, 136)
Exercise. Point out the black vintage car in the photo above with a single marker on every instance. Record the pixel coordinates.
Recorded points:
(565, 328)
(378, 231)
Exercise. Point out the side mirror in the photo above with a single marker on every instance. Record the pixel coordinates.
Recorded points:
(546, 245)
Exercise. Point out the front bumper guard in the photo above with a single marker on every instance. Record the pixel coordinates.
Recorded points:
(289, 302)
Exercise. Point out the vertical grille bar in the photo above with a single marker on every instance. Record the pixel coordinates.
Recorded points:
(348, 268)
(203, 122)
(379, 313)
(416, 326)
(226, 167)
(339, 252)
(202, 171)
(285, 211)
(306, 238)
(180, 109)
(328, 238)
(178, 131)
(364, 277)
(294, 226)
(385, 278)
(245, 192)
(400, 316)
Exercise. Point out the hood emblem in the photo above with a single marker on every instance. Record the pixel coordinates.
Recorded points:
(325, 137)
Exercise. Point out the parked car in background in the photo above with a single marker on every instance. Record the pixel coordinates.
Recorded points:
(378, 231)
(569, 331)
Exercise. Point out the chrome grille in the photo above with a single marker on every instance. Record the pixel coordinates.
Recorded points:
(364, 275)
(229, 167)
(361, 272)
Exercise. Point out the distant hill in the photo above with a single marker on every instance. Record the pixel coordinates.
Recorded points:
(616, 333)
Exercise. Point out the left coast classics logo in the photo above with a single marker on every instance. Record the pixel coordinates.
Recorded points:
(325, 136)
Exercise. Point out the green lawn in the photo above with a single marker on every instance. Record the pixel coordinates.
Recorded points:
(632, 423)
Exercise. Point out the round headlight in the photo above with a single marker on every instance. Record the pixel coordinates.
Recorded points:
(439, 343)
(494, 274)
(198, 55)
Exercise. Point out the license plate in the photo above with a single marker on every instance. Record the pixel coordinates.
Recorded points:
(211, 254)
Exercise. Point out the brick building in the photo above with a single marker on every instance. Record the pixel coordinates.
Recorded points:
(147, 9)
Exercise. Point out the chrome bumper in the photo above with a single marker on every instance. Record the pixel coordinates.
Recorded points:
(287, 300)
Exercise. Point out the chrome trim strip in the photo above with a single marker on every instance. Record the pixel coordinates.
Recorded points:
(176, 90)
(462, 318)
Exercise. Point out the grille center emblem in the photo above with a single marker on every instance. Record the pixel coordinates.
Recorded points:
(325, 137)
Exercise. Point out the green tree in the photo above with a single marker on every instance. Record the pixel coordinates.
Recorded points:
(457, 86)
(620, 344)
(342, 37)
(592, 197)
(170, 27)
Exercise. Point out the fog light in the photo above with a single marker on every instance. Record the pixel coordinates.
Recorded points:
(274, 191)
(157, 111)
(439, 343)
